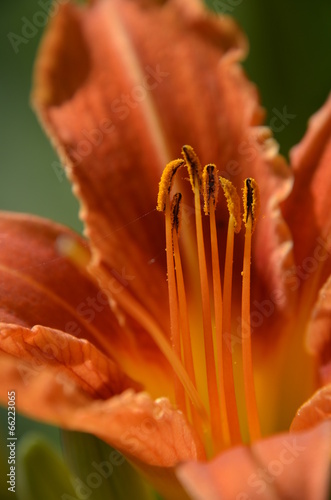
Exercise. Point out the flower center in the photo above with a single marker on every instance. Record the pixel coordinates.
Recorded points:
(215, 414)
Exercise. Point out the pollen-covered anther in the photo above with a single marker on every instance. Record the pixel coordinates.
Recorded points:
(193, 166)
(210, 185)
(175, 212)
(166, 183)
(251, 200)
(233, 202)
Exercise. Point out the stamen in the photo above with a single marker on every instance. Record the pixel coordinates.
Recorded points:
(234, 225)
(194, 168)
(210, 183)
(251, 204)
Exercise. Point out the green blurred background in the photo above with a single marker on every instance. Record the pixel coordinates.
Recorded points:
(289, 60)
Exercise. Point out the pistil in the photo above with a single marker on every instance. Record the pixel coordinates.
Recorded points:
(183, 310)
(173, 304)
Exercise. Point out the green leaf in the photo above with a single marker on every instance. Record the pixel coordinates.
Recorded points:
(102, 471)
(41, 473)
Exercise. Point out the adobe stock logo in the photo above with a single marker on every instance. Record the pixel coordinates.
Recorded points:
(31, 27)
(99, 473)
(259, 480)
(119, 110)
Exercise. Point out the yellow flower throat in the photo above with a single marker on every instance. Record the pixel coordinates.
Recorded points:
(217, 425)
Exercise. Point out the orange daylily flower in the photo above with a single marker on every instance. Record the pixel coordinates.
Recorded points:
(94, 337)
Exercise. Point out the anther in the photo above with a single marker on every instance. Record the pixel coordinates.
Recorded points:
(193, 166)
(166, 183)
(210, 184)
(233, 202)
(251, 200)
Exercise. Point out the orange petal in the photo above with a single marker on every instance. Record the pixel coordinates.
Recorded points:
(315, 410)
(146, 430)
(150, 433)
(41, 287)
(284, 466)
(125, 113)
(75, 358)
(308, 208)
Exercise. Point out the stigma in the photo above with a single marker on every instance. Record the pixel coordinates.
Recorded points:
(208, 393)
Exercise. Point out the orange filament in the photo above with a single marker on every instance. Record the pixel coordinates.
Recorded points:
(184, 318)
(215, 414)
(210, 191)
(234, 225)
(218, 310)
(229, 388)
(250, 200)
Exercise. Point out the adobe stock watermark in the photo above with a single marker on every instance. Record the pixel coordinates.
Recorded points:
(225, 6)
(120, 109)
(92, 138)
(30, 27)
(293, 278)
(123, 104)
(134, 436)
(280, 119)
(100, 471)
(263, 477)
(87, 310)
(250, 148)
